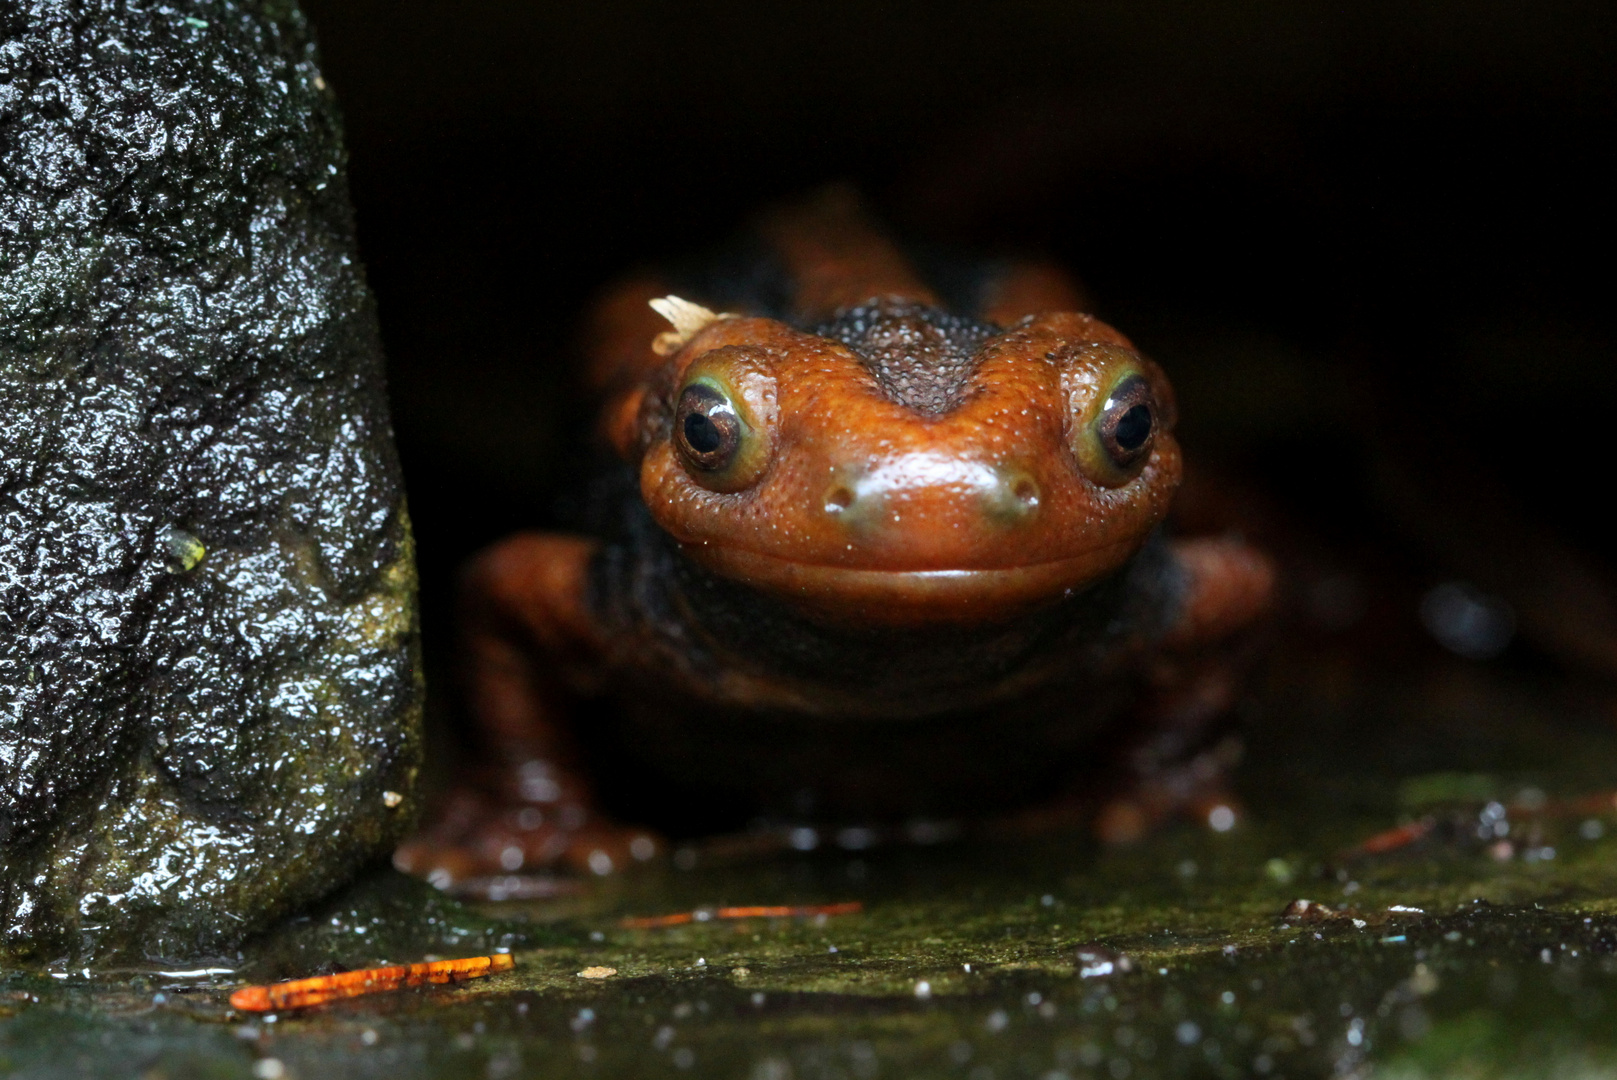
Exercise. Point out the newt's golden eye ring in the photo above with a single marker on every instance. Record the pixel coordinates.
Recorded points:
(717, 430)
(1127, 424)
(1116, 423)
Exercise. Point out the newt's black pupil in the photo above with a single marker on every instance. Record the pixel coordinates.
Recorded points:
(1134, 428)
(701, 434)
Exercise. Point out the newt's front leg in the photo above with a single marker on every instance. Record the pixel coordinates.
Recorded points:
(1229, 588)
(530, 646)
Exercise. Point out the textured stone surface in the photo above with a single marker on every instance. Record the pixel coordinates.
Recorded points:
(208, 646)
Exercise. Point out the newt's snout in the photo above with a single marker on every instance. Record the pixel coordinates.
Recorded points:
(903, 500)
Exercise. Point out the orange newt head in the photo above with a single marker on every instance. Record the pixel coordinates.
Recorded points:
(902, 465)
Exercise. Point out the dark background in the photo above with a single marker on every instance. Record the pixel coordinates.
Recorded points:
(1353, 233)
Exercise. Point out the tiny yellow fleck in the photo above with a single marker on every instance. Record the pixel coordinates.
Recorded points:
(184, 550)
(597, 973)
(392, 799)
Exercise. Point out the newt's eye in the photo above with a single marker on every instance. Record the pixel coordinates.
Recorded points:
(1127, 421)
(716, 436)
(1115, 440)
(707, 427)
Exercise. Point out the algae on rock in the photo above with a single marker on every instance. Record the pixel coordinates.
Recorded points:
(209, 669)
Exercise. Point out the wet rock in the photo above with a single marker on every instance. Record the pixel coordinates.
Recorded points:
(209, 672)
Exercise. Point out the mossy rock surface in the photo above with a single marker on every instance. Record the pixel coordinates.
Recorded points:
(209, 678)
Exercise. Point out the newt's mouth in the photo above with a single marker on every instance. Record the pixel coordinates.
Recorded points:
(870, 597)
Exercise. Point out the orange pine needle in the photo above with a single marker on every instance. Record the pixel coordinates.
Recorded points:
(1393, 839)
(653, 922)
(302, 993)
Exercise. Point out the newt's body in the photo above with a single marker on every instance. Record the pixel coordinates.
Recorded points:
(861, 557)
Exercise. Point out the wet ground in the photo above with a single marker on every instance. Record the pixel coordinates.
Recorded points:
(1486, 947)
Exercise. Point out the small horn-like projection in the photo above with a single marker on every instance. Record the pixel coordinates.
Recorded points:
(689, 319)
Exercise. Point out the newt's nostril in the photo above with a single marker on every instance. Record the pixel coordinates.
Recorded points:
(838, 499)
(1013, 497)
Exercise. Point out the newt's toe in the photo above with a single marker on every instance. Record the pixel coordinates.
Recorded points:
(476, 837)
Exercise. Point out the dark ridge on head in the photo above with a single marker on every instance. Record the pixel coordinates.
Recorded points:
(922, 357)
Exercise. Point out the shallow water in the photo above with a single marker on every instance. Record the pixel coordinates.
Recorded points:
(1047, 957)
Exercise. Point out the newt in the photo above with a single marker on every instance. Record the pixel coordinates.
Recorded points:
(870, 541)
